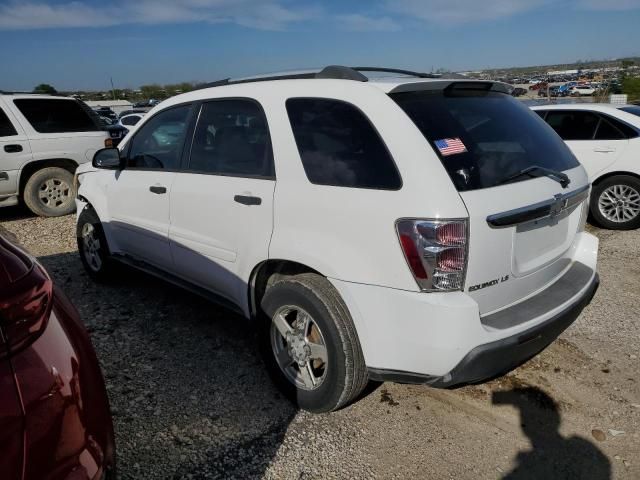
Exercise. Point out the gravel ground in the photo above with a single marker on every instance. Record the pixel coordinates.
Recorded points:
(191, 399)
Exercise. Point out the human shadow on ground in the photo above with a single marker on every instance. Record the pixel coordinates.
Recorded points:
(552, 456)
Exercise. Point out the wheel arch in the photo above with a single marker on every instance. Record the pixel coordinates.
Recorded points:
(268, 271)
(624, 173)
(32, 167)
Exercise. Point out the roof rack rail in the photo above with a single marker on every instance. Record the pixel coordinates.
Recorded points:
(331, 71)
(397, 70)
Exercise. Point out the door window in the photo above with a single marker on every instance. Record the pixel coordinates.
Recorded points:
(57, 115)
(6, 127)
(338, 145)
(232, 138)
(573, 125)
(159, 142)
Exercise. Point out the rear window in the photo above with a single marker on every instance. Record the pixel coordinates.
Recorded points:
(339, 146)
(48, 115)
(483, 137)
(632, 109)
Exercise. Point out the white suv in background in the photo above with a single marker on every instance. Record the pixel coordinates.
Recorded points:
(412, 229)
(42, 141)
(606, 140)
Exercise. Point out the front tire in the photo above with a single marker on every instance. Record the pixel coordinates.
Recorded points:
(310, 345)
(92, 246)
(615, 203)
(49, 192)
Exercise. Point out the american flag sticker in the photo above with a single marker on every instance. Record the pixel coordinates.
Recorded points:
(450, 146)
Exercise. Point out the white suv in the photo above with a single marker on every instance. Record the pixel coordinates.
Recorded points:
(606, 140)
(409, 229)
(42, 141)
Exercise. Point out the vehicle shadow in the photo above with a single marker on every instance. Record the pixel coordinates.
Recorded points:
(17, 212)
(189, 394)
(551, 455)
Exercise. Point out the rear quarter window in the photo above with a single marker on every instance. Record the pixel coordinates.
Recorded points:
(6, 127)
(339, 146)
(482, 137)
(56, 116)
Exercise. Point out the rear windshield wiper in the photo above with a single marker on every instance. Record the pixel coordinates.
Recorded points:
(536, 171)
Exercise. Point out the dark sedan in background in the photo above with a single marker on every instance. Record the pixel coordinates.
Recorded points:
(55, 422)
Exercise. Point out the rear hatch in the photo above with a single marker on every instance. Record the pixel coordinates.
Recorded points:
(522, 227)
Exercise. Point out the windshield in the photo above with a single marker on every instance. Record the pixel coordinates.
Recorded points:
(484, 137)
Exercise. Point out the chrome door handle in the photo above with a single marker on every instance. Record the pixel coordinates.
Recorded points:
(604, 149)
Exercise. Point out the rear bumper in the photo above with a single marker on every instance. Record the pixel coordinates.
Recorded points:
(493, 359)
(434, 337)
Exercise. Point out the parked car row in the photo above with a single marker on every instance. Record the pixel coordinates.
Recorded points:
(409, 229)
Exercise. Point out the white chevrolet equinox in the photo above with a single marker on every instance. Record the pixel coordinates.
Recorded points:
(406, 228)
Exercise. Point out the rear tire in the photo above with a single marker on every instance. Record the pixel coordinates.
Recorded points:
(92, 246)
(329, 349)
(615, 203)
(49, 192)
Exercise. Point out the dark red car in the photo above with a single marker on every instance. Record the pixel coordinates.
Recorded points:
(54, 412)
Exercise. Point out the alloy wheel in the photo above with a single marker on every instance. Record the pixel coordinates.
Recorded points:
(619, 203)
(91, 244)
(299, 347)
(55, 193)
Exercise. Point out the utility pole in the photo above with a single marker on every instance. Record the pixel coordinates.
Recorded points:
(113, 90)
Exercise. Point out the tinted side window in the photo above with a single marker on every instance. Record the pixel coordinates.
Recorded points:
(612, 129)
(608, 131)
(56, 116)
(573, 125)
(159, 142)
(339, 146)
(232, 138)
(541, 113)
(6, 127)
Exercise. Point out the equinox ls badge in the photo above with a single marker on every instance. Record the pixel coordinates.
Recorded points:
(490, 283)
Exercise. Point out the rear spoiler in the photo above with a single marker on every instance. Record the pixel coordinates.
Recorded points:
(453, 86)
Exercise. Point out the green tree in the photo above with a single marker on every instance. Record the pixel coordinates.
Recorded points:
(631, 86)
(45, 88)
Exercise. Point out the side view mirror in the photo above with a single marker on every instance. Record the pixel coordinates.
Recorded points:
(107, 158)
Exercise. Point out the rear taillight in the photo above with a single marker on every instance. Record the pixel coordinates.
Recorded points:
(436, 252)
(25, 306)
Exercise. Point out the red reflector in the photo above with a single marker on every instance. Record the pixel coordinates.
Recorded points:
(108, 143)
(412, 256)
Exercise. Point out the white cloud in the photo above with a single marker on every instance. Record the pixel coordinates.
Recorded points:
(265, 15)
(363, 23)
(456, 12)
(445, 12)
(609, 5)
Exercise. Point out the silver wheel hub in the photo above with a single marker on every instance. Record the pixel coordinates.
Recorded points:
(55, 193)
(299, 347)
(619, 203)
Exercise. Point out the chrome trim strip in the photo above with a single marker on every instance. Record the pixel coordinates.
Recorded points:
(537, 211)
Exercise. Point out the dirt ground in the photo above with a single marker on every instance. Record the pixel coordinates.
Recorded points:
(191, 399)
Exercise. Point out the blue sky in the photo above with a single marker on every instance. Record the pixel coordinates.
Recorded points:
(79, 44)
